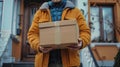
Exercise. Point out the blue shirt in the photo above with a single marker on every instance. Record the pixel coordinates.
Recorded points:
(56, 10)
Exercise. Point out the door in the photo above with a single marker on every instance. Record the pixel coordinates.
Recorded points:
(30, 7)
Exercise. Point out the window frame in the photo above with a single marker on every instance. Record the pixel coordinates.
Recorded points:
(101, 22)
(104, 3)
(16, 18)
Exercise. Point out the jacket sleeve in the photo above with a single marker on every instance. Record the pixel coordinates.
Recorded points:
(33, 33)
(84, 30)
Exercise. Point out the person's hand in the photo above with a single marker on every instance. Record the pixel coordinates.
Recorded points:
(45, 50)
(56, 1)
(76, 47)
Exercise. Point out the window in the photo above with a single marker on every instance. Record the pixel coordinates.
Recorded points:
(33, 9)
(1, 6)
(16, 18)
(101, 23)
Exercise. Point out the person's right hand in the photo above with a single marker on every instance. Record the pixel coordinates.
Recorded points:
(45, 50)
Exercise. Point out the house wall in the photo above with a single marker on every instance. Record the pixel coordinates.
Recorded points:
(6, 31)
(7, 22)
(17, 39)
(86, 59)
(7, 18)
(83, 6)
(10, 42)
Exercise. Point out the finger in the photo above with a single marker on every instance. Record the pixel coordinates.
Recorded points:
(71, 47)
(46, 50)
(41, 49)
(47, 47)
(78, 48)
(79, 39)
(74, 47)
(80, 44)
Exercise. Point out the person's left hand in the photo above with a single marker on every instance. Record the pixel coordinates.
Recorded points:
(76, 47)
(45, 49)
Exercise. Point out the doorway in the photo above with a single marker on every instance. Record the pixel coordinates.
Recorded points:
(30, 7)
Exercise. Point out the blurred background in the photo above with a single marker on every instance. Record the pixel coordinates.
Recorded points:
(102, 17)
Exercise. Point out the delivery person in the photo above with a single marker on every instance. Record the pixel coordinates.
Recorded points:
(56, 10)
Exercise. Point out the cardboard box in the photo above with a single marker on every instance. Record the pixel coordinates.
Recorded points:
(59, 34)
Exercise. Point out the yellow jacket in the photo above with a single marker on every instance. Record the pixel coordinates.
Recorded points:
(69, 57)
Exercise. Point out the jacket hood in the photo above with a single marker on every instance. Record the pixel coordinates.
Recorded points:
(69, 4)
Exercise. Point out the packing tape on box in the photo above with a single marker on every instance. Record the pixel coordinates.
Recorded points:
(57, 33)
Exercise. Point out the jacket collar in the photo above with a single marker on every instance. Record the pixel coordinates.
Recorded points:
(69, 4)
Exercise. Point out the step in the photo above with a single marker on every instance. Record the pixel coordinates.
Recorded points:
(19, 64)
